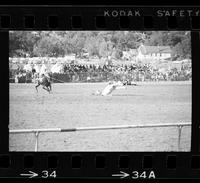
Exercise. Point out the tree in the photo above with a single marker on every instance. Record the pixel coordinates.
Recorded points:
(179, 41)
(50, 45)
(21, 43)
(117, 53)
(92, 46)
(100, 43)
(103, 49)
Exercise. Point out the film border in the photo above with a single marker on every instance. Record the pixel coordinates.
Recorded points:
(14, 18)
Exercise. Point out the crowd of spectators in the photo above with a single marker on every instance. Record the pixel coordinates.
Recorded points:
(97, 73)
(134, 72)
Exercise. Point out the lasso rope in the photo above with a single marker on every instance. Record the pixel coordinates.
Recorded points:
(56, 79)
(53, 79)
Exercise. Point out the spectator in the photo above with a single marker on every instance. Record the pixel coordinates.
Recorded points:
(91, 72)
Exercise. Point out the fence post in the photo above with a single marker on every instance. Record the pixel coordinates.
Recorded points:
(37, 131)
(179, 136)
(36, 140)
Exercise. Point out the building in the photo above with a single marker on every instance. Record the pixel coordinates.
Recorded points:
(153, 53)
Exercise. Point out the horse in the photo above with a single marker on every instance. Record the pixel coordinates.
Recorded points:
(45, 83)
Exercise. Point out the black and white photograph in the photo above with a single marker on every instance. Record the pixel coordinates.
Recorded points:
(100, 91)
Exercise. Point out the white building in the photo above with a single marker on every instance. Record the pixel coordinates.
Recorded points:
(154, 53)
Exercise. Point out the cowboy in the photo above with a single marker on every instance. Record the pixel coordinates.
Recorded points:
(112, 85)
(41, 79)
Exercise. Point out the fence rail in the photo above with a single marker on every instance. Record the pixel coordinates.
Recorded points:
(37, 131)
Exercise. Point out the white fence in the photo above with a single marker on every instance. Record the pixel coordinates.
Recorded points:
(37, 131)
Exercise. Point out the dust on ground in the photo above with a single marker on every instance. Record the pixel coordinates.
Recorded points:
(71, 105)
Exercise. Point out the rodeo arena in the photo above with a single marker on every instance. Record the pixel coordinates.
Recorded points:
(137, 103)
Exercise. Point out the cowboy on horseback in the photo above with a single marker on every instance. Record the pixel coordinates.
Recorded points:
(45, 82)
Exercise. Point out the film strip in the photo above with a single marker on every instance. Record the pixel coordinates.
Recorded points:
(94, 163)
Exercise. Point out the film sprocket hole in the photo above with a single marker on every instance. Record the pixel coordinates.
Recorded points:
(100, 92)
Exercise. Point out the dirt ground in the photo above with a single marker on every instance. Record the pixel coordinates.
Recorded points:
(71, 105)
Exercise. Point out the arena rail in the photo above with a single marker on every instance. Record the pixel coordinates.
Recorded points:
(37, 131)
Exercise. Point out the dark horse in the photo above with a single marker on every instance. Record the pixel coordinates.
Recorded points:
(45, 83)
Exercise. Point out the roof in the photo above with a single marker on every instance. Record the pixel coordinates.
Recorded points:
(155, 49)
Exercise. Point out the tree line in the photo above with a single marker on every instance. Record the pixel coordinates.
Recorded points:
(96, 43)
